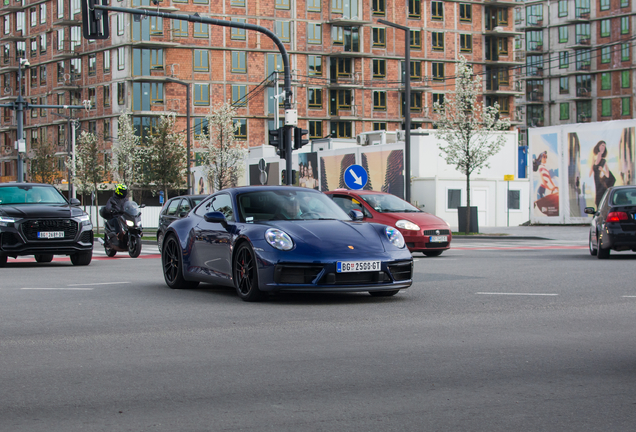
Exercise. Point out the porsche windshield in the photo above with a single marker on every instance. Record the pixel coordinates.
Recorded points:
(288, 205)
(386, 203)
(30, 195)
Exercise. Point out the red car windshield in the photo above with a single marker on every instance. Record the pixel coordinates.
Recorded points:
(386, 203)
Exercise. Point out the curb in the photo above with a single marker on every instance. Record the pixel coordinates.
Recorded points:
(500, 237)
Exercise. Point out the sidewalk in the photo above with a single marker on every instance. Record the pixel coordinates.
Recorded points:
(546, 232)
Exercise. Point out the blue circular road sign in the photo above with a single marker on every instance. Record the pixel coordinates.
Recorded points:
(355, 177)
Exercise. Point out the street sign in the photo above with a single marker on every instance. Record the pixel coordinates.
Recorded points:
(509, 177)
(262, 164)
(355, 177)
(160, 197)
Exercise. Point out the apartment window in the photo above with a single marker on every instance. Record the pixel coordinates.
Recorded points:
(34, 112)
(379, 101)
(60, 8)
(34, 47)
(438, 41)
(502, 46)
(282, 30)
(179, 28)
(61, 135)
(61, 71)
(341, 129)
(438, 98)
(379, 68)
(582, 33)
(438, 71)
(282, 4)
(92, 64)
(564, 111)
(202, 60)
(534, 40)
(437, 11)
(238, 95)
(563, 8)
(415, 8)
(583, 110)
(60, 101)
(92, 92)
(604, 4)
(241, 129)
(626, 104)
(340, 100)
(379, 126)
(43, 114)
(121, 58)
(465, 12)
(237, 3)
(416, 102)
(314, 65)
(313, 5)
(564, 61)
(605, 54)
(239, 62)
(201, 30)
(33, 13)
(625, 25)
(378, 7)
(416, 70)
(156, 26)
(337, 36)
(314, 33)
(121, 93)
(315, 129)
(274, 63)
(624, 3)
(120, 24)
(379, 36)
(625, 79)
(518, 42)
(200, 128)
(564, 85)
(605, 28)
(106, 64)
(34, 77)
(454, 197)
(314, 98)
(625, 52)
(201, 94)
(106, 92)
(343, 67)
(563, 34)
(466, 43)
(106, 135)
(238, 33)
(416, 39)
(43, 75)
(43, 13)
(606, 107)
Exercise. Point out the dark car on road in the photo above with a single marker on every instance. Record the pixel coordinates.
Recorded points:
(422, 231)
(36, 219)
(175, 208)
(613, 226)
(262, 239)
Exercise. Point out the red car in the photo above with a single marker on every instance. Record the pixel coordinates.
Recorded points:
(423, 232)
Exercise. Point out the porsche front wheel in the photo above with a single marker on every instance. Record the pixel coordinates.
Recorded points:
(246, 275)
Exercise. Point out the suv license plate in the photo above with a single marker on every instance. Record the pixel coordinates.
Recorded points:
(50, 234)
(358, 266)
(438, 239)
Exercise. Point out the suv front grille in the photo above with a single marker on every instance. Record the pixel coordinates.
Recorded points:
(30, 228)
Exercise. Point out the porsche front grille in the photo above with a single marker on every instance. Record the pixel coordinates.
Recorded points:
(296, 274)
(401, 271)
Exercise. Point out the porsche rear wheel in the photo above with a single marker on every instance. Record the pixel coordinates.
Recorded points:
(593, 250)
(173, 265)
(246, 275)
(383, 293)
(44, 258)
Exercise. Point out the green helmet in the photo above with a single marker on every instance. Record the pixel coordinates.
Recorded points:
(121, 190)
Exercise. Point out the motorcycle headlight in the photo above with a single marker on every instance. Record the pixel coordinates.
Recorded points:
(394, 237)
(130, 223)
(6, 220)
(279, 239)
(407, 225)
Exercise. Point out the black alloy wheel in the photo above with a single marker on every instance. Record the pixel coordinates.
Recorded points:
(246, 275)
(44, 258)
(601, 253)
(82, 258)
(134, 246)
(593, 250)
(173, 265)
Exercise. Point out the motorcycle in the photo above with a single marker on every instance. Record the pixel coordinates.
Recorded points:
(128, 238)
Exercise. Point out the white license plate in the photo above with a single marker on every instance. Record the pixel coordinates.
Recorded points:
(438, 239)
(50, 234)
(358, 266)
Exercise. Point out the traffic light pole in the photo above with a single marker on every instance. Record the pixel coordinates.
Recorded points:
(223, 23)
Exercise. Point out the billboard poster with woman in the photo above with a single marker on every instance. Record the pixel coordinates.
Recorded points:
(308, 170)
(545, 179)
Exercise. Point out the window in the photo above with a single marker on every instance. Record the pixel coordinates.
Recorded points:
(92, 64)
(605, 54)
(378, 126)
(241, 129)
(201, 30)
(314, 33)
(106, 95)
(625, 25)
(454, 198)
(282, 30)
(341, 129)
(437, 11)
(502, 46)
(282, 4)
(416, 101)
(106, 64)
(274, 63)
(416, 70)
(583, 110)
(624, 3)
(438, 41)
(415, 8)
(340, 100)
(606, 107)
(343, 67)
(33, 13)
(604, 4)
(239, 62)
(92, 93)
(146, 94)
(120, 24)
(337, 35)
(563, 8)
(379, 36)
(202, 60)
(378, 7)
(315, 129)
(121, 93)
(438, 71)
(201, 94)
(238, 95)
(379, 101)
(379, 68)
(466, 43)
(179, 28)
(238, 33)
(416, 39)
(313, 5)
(605, 28)
(34, 112)
(465, 12)
(43, 114)
(625, 52)
(60, 101)
(121, 58)
(43, 13)
(626, 104)
(438, 98)
(563, 34)
(156, 26)
(625, 79)
(314, 65)
(237, 3)
(314, 98)
(564, 61)
(200, 128)
(34, 47)
(43, 43)
(61, 71)
(43, 75)
(564, 111)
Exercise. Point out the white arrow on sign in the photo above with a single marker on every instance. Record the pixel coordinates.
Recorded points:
(358, 180)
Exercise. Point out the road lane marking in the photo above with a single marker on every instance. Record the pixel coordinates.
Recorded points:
(629, 296)
(68, 289)
(516, 294)
(98, 283)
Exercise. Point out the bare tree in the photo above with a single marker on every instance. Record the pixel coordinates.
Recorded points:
(167, 155)
(468, 129)
(44, 164)
(225, 155)
(128, 156)
(89, 166)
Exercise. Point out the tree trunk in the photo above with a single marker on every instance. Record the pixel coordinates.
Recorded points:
(96, 209)
(467, 203)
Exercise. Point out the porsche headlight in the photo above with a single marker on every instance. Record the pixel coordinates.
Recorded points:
(6, 220)
(407, 225)
(394, 236)
(279, 239)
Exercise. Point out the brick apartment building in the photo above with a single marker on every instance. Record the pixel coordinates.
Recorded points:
(347, 69)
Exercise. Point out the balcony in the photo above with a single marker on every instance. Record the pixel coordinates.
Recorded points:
(583, 118)
(348, 22)
(353, 80)
(534, 46)
(67, 51)
(535, 95)
(16, 36)
(581, 15)
(533, 71)
(9, 64)
(12, 5)
(583, 92)
(583, 66)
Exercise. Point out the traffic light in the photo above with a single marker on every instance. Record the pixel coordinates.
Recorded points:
(95, 24)
(277, 139)
(298, 137)
(284, 177)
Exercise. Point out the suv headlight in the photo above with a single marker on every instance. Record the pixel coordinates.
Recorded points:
(6, 220)
(84, 220)
(279, 239)
(407, 225)
(394, 237)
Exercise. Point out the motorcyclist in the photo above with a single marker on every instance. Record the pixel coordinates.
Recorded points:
(115, 206)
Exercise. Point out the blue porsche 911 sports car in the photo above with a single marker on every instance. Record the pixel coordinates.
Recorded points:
(262, 239)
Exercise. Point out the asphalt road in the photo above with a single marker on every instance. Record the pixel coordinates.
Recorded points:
(494, 336)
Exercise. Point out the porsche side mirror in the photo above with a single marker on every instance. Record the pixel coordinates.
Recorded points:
(356, 215)
(589, 210)
(215, 217)
(74, 202)
(183, 214)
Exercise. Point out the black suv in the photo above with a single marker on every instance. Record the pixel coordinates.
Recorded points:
(36, 219)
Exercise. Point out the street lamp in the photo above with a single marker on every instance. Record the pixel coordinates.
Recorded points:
(19, 107)
(407, 108)
(187, 85)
